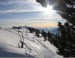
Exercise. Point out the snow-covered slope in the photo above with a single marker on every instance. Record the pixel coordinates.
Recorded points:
(33, 46)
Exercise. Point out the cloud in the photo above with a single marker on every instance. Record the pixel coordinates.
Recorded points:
(32, 22)
(18, 6)
(41, 23)
(17, 2)
(19, 11)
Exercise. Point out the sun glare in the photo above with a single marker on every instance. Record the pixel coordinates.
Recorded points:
(48, 10)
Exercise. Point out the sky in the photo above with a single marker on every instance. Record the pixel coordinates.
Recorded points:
(27, 12)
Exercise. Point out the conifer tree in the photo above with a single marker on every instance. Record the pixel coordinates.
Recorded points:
(37, 33)
(49, 36)
(67, 45)
(44, 34)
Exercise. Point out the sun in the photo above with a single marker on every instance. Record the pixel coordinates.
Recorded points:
(48, 10)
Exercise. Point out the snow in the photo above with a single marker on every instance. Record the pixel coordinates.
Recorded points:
(33, 46)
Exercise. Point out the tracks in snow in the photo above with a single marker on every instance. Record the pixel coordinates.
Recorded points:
(43, 52)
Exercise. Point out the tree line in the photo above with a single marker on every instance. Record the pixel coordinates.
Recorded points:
(64, 40)
(39, 33)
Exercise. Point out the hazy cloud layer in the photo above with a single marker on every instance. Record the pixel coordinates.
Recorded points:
(16, 6)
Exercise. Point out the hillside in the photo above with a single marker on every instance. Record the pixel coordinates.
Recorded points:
(33, 46)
